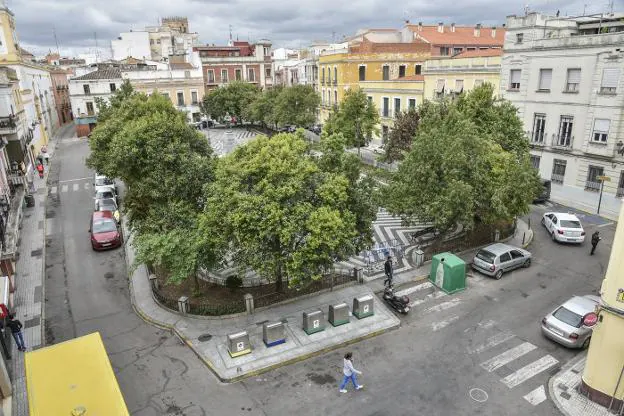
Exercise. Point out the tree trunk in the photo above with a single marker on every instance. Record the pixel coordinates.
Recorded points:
(279, 287)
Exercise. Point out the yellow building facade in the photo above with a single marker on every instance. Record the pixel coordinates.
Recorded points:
(603, 378)
(366, 62)
(446, 75)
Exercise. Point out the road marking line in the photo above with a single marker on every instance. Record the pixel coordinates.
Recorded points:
(75, 187)
(75, 180)
(64, 188)
(443, 306)
(53, 190)
(430, 296)
(417, 288)
(529, 371)
(436, 326)
(507, 357)
(604, 225)
(492, 342)
(487, 324)
(87, 186)
(536, 396)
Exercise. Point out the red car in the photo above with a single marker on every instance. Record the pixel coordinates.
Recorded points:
(105, 232)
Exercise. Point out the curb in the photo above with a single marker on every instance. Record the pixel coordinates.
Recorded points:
(529, 239)
(551, 382)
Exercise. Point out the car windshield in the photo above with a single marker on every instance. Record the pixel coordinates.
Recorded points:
(569, 317)
(105, 194)
(103, 181)
(104, 226)
(486, 256)
(570, 224)
(107, 205)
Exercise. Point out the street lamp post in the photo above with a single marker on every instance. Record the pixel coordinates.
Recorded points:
(602, 180)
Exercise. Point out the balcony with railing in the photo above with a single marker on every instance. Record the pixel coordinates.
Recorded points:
(536, 138)
(556, 178)
(592, 186)
(562, 142)
(8, 125)
(619, 193)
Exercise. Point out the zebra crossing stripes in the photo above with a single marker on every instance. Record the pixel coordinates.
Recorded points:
(492, 342)
(507, 357)
(75, 187)
(536, 396)
(64, 188)
(529, 371)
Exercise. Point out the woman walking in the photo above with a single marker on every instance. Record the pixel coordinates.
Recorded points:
(349, 374)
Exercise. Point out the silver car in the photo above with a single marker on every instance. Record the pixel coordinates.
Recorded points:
(571, 323)
(496, 259)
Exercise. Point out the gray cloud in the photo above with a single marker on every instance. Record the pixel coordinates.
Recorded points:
(285, 22)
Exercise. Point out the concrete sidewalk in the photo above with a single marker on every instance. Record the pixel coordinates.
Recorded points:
(207, 336)
(563, 390)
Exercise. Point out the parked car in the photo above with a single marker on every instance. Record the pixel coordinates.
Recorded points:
(564, 227)
(571, 323)
(317, 128)
(545, 194)
(104, 193)
(101, 182)
(105, 231)
(496, 259)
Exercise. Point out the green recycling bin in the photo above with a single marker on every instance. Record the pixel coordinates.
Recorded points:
(448, 272)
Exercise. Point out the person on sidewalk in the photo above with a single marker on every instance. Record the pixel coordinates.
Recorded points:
(46, 156)
(40, 170)
(349, 374)
(388, 270)
(16, 330)
(594, 241)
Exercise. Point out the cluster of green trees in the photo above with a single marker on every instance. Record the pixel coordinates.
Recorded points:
(296, 105)
(271, 205)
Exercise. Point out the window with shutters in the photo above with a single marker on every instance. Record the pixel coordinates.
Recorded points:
(335, 97)
(574, 79)
(417, 69)
(539, 126)
(384, 108)
(412, 103)
(439, 92)
(545, 77)
(558, 172)
(565, 131)
(362, 73)
(519, 37)
(239, 74)
(401, 71)
(610, 79)
(180, 98)
(386, 72)
(535, 161)
(601, 130)
(251, 75)
(592, 183)
(323, 76)
(459, 86)
(211, 76)
(194, 100)
(335, 75)
(514, 79)
(90, 110)
(397, 106)
(224, 75)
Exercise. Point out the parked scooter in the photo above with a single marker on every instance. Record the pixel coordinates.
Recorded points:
(398, 303)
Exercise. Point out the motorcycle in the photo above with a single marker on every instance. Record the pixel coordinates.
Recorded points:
(398, 303)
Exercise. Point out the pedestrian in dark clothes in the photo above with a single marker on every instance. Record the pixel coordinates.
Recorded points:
(388, 270)
(594, 241)
(16, 330)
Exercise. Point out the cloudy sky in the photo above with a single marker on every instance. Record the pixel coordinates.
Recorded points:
(289, 23)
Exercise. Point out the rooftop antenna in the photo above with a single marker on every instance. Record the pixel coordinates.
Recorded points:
(56, 40)
(97, 50)
(230, 35)
(584, 7)
(611, 7)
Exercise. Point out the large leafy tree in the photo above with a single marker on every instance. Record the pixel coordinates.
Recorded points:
(263, 109)
(356, 119)
(164, 164)
(105, 108)
(281, 214)
(233, 100)
(401, 135)
(297, 105)
(461, 170)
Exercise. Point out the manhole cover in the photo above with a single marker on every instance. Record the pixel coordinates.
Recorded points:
(478, 395)
(204, 338)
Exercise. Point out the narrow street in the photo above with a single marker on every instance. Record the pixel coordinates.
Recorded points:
(432, 365)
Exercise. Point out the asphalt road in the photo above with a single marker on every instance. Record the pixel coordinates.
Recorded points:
(431, 365)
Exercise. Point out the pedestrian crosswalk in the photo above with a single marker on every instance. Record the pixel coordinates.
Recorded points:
(79, 186)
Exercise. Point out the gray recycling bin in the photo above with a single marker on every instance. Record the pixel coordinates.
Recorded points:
(313, 321)
(363, 306)
(238, 344)
(338, 314)
(273, 334)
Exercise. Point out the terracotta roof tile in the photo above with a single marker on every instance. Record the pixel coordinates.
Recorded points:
(463, 35)
(480, 53)
(102, 73)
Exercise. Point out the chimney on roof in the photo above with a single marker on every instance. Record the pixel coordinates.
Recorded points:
(441, 27)
(420, 26)
(493, 31)
(453, 27)
(477, 31)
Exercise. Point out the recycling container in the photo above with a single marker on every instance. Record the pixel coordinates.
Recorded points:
(238, 344)
(363, 306)
(273, 333)
(313, 321)
(448, 272)
(338, 314)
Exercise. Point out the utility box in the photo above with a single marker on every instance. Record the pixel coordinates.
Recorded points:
(313, 321)
(363, 306)
(238, 344)
(448, 272)
(273, 334)
(339, 314)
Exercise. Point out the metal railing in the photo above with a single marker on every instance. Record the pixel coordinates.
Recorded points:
(619, 193)
(562, 142)
(537, 138)
(556, 178)
(592, 186)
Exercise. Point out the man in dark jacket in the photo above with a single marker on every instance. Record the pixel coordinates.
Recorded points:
(388, 270)
(16, 330)
(594, 241)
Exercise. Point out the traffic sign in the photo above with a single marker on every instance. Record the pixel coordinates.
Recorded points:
(604, 178)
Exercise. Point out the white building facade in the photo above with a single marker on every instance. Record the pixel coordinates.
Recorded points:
(566, 77)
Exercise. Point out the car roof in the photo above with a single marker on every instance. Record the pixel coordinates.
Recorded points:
(581, 305)
(565, 216)
(498, 248)
(97, 215)
(107, 201)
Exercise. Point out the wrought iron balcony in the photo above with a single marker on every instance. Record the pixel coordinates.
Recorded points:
(562, 142)
(556, 178)
(592, 186)
(536, 138)
(8, 125)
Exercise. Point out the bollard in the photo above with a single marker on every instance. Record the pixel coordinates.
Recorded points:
(419, 257)
(183, 305)
(153, 281)
(249, 303)
(496, 235)
(357, 273)
(529, 223)
(523, 237)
